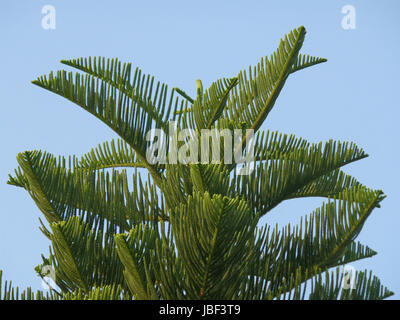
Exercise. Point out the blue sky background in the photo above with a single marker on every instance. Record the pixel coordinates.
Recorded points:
(352, 97)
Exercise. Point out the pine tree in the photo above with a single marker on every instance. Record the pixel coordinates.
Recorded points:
(191, 230)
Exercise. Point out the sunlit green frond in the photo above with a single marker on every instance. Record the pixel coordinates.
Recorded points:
(356, 251)
(35, 182)
(212, 235)
(327, 185)
(171, 273)
(177, 185)
(110, 155)
(367, 287)
(304, 61)
(271, 144)
(364, 286)
(294, 173)
(323, 239)
(183, 180)
(333, 284)
(208, 107)
(120, 76)
(216, 178)
(257, 91)
(84, 257)
(61, 193)
(130, 119)
(137, 254)
(184, 95)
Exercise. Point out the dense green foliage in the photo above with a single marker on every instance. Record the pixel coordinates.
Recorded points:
(192, 231)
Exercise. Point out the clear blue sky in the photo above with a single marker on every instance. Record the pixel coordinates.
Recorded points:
(352, 97)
